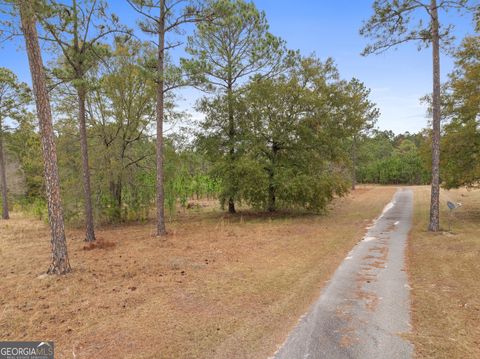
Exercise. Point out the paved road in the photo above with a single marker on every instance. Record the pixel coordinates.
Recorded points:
(365, 306)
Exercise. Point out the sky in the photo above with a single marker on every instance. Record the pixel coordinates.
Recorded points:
(328, 28)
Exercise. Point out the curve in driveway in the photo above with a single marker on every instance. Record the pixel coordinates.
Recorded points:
(365, 307)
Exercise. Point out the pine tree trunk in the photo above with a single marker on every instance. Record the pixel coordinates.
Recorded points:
(3, 178)
(60, 263)
(354, 163)
(90, 231)
(231, 138)
(161, 231)
(434, 224)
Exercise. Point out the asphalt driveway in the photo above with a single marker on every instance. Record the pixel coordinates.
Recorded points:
(365, 307)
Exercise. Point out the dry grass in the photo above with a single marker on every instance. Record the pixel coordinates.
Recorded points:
(218, 287)
(445, 276)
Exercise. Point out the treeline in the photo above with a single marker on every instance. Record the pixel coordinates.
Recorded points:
(386, 158)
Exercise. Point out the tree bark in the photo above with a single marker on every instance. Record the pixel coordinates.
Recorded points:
(81, 95)
(3, 178)
(434, 224)
(89, 224)
(161, 231)
(354, 162)
(60, 263)
(272, 197)
(231, 138)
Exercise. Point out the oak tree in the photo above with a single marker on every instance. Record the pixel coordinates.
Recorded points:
(289, 135)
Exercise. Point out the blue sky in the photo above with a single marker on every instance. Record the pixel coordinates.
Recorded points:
(397, 78)
(329, 28)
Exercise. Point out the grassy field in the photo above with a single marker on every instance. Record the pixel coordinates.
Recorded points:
(445, 275)
(218, 287)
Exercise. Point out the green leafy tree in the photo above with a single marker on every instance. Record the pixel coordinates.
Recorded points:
(122, 110)
(290, 130)
(461, 141)
(226, 51)
(361, 114)
(14, 96)
(272, 111)
(398, 21)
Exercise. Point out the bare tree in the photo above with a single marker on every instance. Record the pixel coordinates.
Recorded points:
(60, 263)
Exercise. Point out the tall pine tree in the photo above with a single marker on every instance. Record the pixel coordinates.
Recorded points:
(398, 21)
(60, 263)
